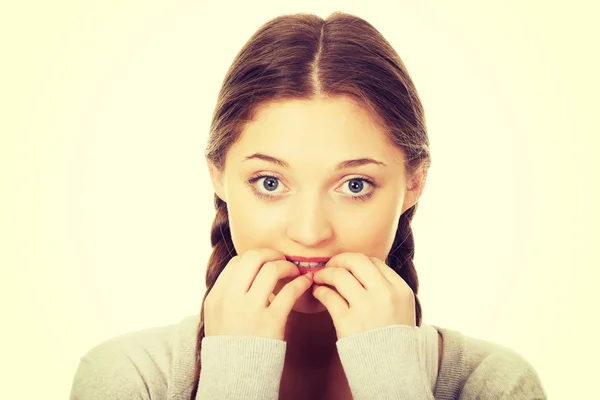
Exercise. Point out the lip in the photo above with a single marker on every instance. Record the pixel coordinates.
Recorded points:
(308, 259)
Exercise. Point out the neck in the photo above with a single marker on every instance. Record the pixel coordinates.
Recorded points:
(311, 340)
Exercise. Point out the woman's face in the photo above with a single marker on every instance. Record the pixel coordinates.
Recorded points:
(312, 208)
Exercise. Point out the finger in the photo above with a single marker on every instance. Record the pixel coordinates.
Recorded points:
(268, 277)
(396, 282)
(333, 301)
(343, 281)
(249, 264)
(284, 301)
(224, 277)
(361, 267)
(386, 271)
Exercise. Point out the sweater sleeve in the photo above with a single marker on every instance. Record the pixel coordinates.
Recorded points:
(503, 374)
(240, 368)
(108, 375)
(385, 363)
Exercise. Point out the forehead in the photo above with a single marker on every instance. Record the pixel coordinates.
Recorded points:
(337, 128)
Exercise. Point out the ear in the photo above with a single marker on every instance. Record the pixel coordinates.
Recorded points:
(414, 189)
(216, 177)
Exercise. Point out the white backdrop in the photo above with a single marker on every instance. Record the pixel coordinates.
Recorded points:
(106, 203)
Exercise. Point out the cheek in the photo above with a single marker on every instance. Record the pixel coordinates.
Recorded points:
(372, 235)
(252, 227)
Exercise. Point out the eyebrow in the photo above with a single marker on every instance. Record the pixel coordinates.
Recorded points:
(343, 165)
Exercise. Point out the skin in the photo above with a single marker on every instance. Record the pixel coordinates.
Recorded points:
(314, 213)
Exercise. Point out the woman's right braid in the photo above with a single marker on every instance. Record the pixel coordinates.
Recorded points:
(220, 239)
(223, 251)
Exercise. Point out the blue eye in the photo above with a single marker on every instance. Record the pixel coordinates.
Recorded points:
(358, 185)
(271, 183)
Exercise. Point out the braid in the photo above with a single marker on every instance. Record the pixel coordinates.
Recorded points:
(220, 239)
(400, 258)
(223, 251)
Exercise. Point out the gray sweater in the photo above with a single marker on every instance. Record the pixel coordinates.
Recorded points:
(393, 362)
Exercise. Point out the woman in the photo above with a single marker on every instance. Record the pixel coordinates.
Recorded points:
(318, 151)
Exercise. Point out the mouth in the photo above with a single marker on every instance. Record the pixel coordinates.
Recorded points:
(306, 265)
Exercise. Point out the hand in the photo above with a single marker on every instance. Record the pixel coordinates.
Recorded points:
(368, 295)
(238, 303)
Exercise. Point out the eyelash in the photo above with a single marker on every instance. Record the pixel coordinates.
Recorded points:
(362, 197)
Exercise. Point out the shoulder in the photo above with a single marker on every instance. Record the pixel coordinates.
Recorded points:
(483, 369)
(133, 365)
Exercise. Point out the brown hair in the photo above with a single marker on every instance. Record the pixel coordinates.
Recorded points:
(304, 56)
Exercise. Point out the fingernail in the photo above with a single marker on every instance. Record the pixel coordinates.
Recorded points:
(309, 275)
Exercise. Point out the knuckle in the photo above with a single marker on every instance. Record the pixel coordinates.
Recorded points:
(250, 255)
(209, 301)
(338, 272)
(361, 257)
(270, 268)
(408, 292)
(374, 260)
(259, 255)
(387, 296)
(294, 289)
(400, 294)
(232, 263)
(324, 293)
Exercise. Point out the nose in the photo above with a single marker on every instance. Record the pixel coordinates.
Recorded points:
(309, 222)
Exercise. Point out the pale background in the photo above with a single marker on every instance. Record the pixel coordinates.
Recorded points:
(106, 204)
